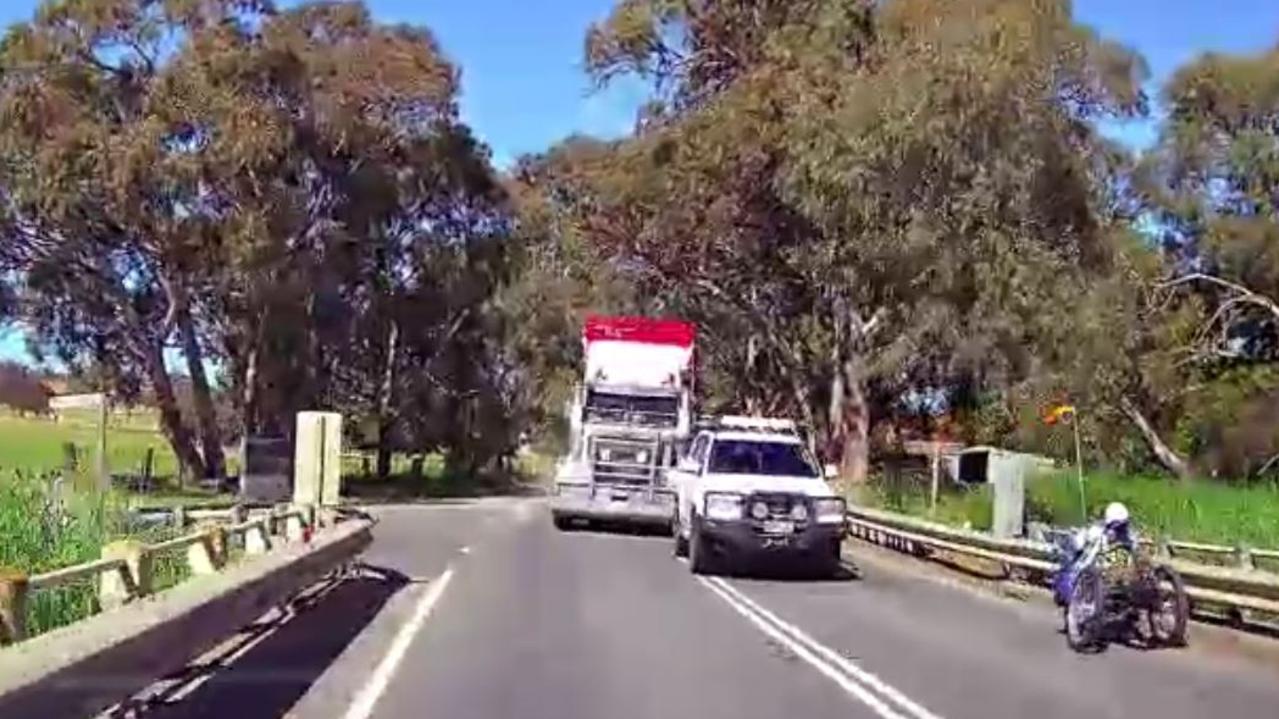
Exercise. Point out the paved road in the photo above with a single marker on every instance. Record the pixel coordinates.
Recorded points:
(495, 614)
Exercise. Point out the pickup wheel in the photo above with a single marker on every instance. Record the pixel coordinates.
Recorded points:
(681, 542)
(830, 560)
(700, 560)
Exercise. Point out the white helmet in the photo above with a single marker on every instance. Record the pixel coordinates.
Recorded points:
(1116, 513)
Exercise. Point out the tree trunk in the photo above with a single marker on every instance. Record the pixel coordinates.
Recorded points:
(385, 421)
(248, 401)
(854, 422)
(179, 436)
(206, 415)
(1170, 460)
(800, 395)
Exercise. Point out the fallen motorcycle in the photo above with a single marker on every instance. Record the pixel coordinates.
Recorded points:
(1108, 592)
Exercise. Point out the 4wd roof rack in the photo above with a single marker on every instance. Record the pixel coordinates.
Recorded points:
(752, 424)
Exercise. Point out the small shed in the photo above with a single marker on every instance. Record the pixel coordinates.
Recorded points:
(980, 464)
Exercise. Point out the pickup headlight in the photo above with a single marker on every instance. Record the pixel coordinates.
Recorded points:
(724, 506)
(830, 510)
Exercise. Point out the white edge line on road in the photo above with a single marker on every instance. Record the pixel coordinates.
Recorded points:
(362, 706)
(830, 655)
(845, 682)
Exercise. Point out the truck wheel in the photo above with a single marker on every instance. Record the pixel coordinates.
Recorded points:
(562, 522)
(699, 552)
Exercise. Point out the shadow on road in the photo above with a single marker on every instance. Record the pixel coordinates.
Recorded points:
(273, 674)
(780, 571)
(619, 528)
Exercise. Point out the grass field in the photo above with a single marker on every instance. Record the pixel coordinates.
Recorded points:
(35, 445)
(1214, 512)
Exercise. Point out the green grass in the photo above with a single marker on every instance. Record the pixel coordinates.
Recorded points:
(971, 508)
(1210, 512)
(35, 445)
(1203, 511)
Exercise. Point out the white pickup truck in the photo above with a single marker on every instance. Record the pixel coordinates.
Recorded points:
(748, 488)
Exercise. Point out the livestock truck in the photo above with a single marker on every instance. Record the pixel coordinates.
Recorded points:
(629, 415)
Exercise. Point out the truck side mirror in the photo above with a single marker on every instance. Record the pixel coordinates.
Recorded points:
(830, 471)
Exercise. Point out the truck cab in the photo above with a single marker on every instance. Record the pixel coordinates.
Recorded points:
(749, 489)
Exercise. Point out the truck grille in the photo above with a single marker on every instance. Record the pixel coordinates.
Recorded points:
(624, 461)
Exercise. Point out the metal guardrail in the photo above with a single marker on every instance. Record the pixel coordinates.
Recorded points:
(1238, 589)
(124, 572)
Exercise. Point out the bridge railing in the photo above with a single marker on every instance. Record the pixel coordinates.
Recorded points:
(125, 570)
(1237, 587)
(239, 570)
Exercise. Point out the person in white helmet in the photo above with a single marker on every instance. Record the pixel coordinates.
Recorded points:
(1118, 526)
(1115, 526)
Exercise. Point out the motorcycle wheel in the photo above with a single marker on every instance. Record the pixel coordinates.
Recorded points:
(1084, 613)
(1168, 619)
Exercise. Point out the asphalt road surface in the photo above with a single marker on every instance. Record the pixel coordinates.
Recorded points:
(486, 611)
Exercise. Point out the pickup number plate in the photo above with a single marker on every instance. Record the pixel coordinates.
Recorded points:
(620, 496)
(781, 527)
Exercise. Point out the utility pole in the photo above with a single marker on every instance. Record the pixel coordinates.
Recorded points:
(1079, 467)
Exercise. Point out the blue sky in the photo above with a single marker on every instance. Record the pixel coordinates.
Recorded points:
(523, 85)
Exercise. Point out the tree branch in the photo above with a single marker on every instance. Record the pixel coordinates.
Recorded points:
(1244, 294)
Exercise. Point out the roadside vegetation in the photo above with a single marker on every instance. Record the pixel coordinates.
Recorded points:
(1195, 511)
(46, 525)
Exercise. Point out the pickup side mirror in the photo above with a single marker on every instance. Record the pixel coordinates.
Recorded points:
(830, 471)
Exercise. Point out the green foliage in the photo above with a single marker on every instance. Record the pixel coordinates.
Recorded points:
(1231, 422)
(288, 192)
(832, 192)
(47, 526)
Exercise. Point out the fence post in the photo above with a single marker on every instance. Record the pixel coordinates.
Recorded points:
(1163, 549)
(13, 606)
(936, 480)
(275, 521)
(1243, 556)
(201, 556)
(120, 587)
(218, 545)
(179, 517)
(148, 468)
(293, 527)
(257, 540)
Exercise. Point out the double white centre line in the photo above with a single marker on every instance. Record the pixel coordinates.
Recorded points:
(867, 688)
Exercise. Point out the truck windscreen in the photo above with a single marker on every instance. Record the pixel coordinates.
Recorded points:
(639, 410)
